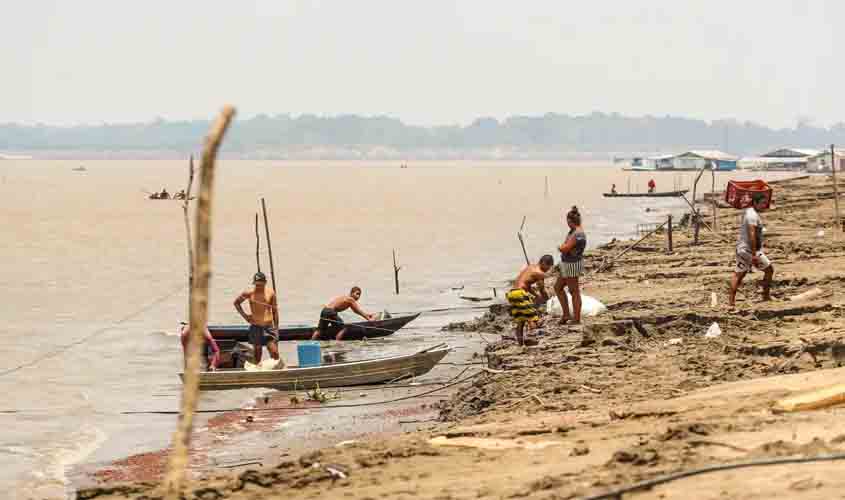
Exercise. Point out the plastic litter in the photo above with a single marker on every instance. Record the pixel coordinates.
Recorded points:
(714, 300)
(713, 332)
(675, 341)
(589, 306)
(820, 234)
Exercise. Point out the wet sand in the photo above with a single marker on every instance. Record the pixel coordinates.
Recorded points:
(637, 393)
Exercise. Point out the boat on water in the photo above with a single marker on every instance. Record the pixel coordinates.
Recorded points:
(229, 335)
(662, 194)
(344, 374)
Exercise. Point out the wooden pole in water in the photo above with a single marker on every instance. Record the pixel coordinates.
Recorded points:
(835, 187)
(396, 270)
(188, 239)
(257, 245)
(669, 233)
(174, 478)
(521, 241)
(269, 249)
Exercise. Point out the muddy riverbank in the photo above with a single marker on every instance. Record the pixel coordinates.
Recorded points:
(636, 393)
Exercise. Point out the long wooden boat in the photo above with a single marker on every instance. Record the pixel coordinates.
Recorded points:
(228, 335)
(350, 373)
(662, 194)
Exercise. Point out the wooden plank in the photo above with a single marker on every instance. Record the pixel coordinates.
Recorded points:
(816, 400)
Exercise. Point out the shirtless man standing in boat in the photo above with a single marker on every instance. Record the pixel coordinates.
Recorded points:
(523, 299)
(330, 322)
(263, 318)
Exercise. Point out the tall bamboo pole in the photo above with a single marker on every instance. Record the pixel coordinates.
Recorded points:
(175, 475)
(257, 246)
(269, 251)
(835, 188)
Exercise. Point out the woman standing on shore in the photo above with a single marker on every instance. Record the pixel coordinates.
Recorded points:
(571, 267)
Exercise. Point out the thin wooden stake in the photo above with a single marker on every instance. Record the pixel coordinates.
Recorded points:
(258, 247)
(521, 241)
(188, 240)
(178, 460)
(669, 234)
(835, 188)
(396, 270)
(525, 253)
(269, 250)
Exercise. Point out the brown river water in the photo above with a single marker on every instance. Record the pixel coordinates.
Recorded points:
(92, 274)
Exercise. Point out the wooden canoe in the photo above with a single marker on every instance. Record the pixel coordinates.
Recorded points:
(228, 335)
(662, 194)
(350, 373)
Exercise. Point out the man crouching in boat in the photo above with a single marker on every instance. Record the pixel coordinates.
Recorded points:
(212, 350)
(331, 325)
(523, 299)
(263, 318)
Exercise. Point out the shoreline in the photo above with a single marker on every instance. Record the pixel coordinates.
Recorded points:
(638, 393)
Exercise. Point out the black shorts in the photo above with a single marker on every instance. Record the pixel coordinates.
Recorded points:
(260, 335)
(330, 323)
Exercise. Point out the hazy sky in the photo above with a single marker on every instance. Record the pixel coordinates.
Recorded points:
(425, 61)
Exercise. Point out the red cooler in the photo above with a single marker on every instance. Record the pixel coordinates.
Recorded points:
(739, 193)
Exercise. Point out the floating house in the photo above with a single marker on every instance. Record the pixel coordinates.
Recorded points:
(788, 158)
(699, 158)
(822, 161)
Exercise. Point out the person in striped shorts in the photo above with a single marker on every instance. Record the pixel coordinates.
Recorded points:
(571, 268)
(523, 299)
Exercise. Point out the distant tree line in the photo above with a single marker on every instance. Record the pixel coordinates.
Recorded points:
(596, 132)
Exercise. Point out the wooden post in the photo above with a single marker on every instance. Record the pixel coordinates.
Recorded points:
(669, 234)
(269, 250)
(396, 270)
(257, 245)
(174, 478)
(190, 243)
(715, 215)
(494, 292)
(696, 221)
(521, 241)
(546, 192)
(835, 187)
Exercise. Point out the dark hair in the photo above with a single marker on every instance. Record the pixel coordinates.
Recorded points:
(547, 260)
(355, 289)
(259, 276)
(574, 216)
(757, 198)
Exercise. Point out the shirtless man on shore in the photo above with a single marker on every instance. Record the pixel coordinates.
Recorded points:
(523, 298)
(330, 322)
(263, 318)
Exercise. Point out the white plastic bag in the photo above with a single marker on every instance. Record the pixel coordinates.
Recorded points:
(713, 332)
(265, 365)
(589, 306)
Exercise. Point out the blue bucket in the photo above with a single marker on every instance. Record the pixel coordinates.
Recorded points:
(309, 354)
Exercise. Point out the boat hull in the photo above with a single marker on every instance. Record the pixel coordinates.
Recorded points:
(664, 194)
(230, 334)
(352, 373)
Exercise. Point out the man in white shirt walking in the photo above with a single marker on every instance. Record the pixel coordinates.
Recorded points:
(749, 249)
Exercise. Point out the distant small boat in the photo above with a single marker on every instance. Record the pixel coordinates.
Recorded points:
(663, 194)
(345, 374)
(80, 169)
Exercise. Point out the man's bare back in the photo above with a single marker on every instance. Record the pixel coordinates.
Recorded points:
(528, 277)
